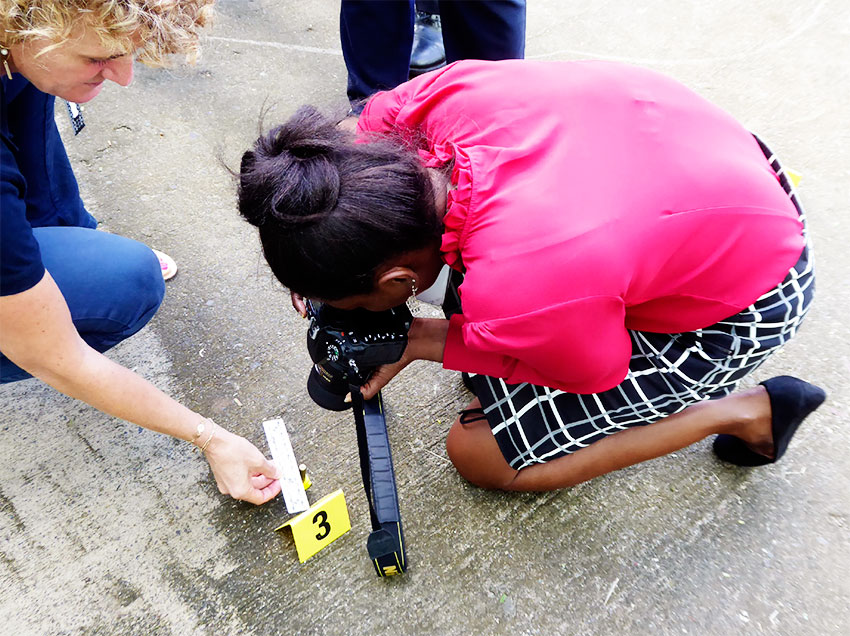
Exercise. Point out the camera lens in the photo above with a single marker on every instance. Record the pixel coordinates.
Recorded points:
(328, 390)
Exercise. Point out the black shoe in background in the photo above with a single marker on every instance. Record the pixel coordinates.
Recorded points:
(428, 52)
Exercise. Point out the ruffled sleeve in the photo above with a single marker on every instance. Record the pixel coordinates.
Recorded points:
(380, 114)
(458, 205)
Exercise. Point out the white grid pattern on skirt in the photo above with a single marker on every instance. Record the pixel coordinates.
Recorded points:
(668, 372)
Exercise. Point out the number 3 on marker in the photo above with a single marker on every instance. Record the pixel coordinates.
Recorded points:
(321, 519)
(319, 526)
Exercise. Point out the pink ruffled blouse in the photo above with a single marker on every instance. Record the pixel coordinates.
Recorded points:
(590, 198)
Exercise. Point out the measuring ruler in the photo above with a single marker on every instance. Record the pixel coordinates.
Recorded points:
(287, 468)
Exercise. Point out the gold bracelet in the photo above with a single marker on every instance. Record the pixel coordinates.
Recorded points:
(209, 439)
(197, 435)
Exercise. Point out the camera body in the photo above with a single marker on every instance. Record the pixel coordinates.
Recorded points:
(347, 345)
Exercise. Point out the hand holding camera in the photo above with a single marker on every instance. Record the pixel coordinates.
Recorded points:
(426, 340)
(365, 349)
(347, 346)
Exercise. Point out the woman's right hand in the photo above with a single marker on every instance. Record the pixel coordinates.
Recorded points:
(240, 469)
(299, 304)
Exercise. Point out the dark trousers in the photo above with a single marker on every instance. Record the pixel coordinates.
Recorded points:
(377, 37)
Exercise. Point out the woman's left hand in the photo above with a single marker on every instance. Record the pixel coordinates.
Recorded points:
(426, 340)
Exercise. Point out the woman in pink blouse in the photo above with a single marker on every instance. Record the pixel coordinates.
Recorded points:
(629, 253)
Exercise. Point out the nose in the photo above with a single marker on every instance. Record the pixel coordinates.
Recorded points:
(119, 70)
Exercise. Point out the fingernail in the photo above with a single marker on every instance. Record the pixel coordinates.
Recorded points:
(347, 398)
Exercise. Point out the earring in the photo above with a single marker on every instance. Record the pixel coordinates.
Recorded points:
(4, 53)
(412, 297)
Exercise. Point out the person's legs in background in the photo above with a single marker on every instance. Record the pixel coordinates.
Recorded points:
(483, 30)
(377, 37)
(113, 285)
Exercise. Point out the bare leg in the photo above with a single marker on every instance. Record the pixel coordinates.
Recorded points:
(476, 455)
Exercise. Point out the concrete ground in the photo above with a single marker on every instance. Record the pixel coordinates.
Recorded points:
(109, 529)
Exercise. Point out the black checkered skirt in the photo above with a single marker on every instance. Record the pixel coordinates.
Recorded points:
(667, 372)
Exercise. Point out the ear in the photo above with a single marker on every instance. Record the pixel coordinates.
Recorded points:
(395, 276)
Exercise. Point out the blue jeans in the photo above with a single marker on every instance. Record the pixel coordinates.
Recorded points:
(113, 285)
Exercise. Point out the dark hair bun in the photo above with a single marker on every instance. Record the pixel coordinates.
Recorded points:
(310, 148)
(331, 211)
(290, 178)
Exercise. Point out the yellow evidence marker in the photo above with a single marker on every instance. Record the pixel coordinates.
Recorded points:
(314, 529)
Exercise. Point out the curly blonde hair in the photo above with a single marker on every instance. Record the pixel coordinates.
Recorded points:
(164, 27)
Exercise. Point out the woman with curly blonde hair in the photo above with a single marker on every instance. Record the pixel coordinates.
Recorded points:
(58, 313)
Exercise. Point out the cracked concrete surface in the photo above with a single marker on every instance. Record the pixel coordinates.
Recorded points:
(109, 529)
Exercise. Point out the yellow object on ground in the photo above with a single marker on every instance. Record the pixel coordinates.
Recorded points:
(318, 527)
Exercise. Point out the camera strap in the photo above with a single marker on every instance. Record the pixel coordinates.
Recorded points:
(386, 541)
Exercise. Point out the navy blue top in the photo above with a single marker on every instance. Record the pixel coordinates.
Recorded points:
(37, 185)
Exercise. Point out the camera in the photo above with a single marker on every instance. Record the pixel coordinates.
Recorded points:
(346, 346)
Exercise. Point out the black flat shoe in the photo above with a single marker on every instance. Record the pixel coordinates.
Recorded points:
(791, 401)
